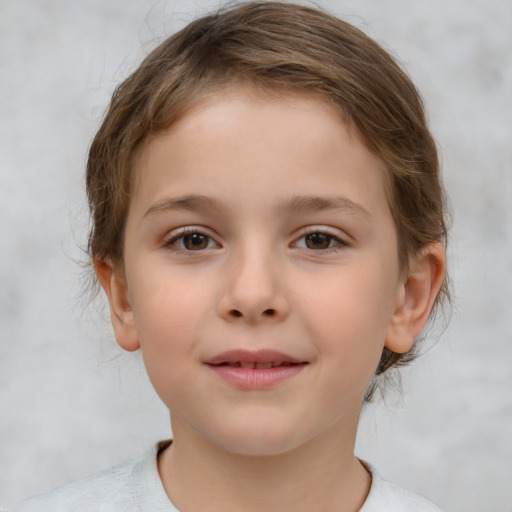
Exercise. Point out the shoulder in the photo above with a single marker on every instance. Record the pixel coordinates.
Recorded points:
(133, 486)
(388, 497)
(107, 491)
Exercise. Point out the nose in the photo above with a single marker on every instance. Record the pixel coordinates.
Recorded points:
(254, 288)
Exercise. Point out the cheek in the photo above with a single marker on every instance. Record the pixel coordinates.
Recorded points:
(349, 315)
(169, 303)
(169, 316)
(164, 316)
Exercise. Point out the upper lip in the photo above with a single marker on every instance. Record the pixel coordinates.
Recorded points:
(254, 357)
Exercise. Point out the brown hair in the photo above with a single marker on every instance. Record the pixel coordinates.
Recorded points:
(277, 48)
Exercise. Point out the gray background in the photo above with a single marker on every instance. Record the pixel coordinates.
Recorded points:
(71, 403)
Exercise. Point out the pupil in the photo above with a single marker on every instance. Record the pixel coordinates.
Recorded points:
(318, 241)
(195, 241)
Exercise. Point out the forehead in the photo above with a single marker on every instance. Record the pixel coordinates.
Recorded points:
(243, 142)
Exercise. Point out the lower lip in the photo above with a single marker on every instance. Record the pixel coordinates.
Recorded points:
(254, 378)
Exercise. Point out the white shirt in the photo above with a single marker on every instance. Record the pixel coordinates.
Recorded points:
(135, 486)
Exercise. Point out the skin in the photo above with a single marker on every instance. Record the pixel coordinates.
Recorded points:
(255, 176)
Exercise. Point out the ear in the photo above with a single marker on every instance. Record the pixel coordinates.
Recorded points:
(113, 281)
(416, 296)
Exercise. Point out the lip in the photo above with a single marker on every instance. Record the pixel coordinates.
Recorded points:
(234, 367)
(247, 356)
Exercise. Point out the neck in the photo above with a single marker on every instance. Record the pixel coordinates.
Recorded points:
(322, 475)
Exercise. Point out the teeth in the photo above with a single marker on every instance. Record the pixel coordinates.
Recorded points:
(259, 366)
(263, 366)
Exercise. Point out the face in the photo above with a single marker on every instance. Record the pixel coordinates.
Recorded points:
(261, 271)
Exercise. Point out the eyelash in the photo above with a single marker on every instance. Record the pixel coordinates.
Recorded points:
(171, 243)
(339, 243)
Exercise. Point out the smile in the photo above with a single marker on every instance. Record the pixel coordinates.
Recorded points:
(257, 366)
(255, 370)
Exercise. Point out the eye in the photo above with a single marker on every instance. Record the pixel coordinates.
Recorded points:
(191, 241)
(318, 241)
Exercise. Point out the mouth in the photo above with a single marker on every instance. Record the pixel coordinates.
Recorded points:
(255, 370)
(258, 360)
(257, 366)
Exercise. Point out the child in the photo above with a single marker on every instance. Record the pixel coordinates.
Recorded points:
(268, 226)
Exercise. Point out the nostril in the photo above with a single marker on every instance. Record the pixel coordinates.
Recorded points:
(266, 313)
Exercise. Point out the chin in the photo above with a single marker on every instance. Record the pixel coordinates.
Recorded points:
(258, 441)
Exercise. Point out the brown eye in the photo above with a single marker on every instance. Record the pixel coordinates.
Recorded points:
(195, 241)
(318, 241)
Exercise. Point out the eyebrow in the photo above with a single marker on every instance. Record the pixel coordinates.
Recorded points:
(192, 202)
(321, 203)
(197, 202)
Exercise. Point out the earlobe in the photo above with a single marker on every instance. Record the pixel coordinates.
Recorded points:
(416, 297)
(122, 316)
